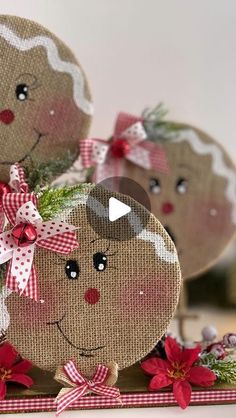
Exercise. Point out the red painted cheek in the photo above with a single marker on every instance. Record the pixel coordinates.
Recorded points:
(32, 315)
(209, 219)
(143, 296)
(59, 116)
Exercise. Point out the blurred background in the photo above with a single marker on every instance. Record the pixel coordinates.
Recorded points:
(137, 53)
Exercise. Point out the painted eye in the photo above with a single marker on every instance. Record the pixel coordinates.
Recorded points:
(154, 186)
(72, 269)
(22, 91)
(181, 186)
(100, 261)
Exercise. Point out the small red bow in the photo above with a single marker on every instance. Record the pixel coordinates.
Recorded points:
(128, 142)
(80, 386)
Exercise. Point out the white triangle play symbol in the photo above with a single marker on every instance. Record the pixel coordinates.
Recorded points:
(117, 209)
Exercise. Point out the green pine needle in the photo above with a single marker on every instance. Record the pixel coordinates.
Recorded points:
(2, 271)
(156, 127)
(225, 370)
(41, 174)
(53, 201)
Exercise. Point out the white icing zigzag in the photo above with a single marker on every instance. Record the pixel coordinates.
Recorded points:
(218, 165)
(55, 61)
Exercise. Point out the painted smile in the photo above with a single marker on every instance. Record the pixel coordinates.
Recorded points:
(84, 352)
(40, 135)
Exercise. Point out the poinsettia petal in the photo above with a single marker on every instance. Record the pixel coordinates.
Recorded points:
(190, 355)
(201, 376)
(3, 390)
(173, 350)
(8, 355)
(153, 365)
(22, 367)
(182, 392)
(159, 381)
(21, 378)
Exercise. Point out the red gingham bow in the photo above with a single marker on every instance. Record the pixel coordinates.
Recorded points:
(55, 235)
(80, 386)
(129, 138)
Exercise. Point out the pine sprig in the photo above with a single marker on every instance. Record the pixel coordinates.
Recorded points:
(53, 201)
(156, 127)
(41, 174)
(3, 268)
(225, 370)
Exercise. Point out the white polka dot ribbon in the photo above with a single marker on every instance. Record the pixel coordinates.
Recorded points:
(53, 235)
(128, 142)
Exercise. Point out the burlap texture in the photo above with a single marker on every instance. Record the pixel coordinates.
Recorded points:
(203, 218)
(139, 291)
(49, 122)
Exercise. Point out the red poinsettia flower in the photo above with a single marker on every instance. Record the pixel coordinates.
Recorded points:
(178, 370)
(12, 370)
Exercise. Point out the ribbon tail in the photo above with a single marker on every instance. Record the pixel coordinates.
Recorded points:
(110, 391)
(69, 398)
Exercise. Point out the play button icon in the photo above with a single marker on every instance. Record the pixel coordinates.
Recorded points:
(117, 209)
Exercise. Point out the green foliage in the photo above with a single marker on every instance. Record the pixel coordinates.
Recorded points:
(41, 174)
(2, 272)
(225, 370)
(156, 127)
(53, 201)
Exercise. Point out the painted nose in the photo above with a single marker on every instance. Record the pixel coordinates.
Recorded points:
(92, 296)
(167, 208)
(6, 116)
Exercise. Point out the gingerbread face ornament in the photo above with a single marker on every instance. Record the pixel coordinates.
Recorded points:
(45, 100)
(189, 178)
(109, 300)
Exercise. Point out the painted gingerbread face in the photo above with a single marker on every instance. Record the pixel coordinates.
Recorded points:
(45, 100)
(196, 200)
(109, 300)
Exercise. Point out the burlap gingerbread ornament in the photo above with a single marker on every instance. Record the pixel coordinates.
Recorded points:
(45, 100)
(189, 178)
(109, 300)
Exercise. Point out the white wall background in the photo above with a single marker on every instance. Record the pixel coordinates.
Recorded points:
(138, 52)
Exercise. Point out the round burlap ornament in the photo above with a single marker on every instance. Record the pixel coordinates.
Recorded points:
(45, 100)
(109, 300)
(196, 200)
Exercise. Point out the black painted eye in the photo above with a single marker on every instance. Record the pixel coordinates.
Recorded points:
(72, 269)
(181, 185)
(100, 261)
(154, 186)
(22, 91)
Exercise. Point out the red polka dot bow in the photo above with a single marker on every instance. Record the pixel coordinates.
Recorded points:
(29, 231)
(80, 386)
(129, 142)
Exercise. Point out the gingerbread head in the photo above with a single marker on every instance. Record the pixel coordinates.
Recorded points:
(45, 100)
(189, 178)
(109, 300)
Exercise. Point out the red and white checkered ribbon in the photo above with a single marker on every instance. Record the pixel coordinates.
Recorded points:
(80, 386)
(53, 235)
(17, 184)
(142, 152)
